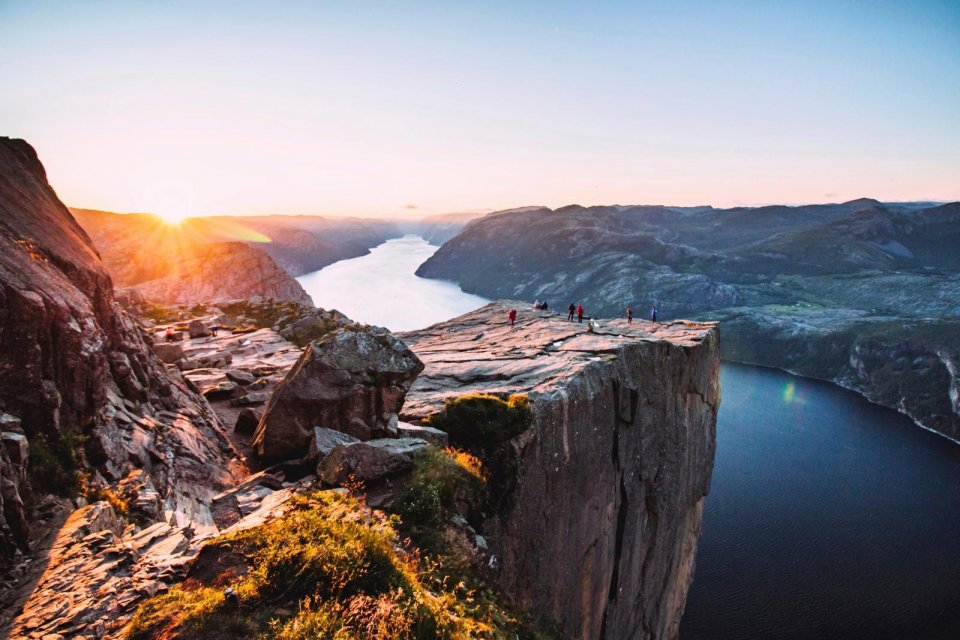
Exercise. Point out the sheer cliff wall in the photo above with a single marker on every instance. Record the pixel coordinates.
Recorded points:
(599, 529)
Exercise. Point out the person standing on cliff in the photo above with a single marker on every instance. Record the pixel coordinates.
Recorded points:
(580, 313)
(653, 314)
(571, 309)
(513, 316)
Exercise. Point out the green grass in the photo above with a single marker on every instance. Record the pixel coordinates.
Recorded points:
(483, 421)
(341, 571)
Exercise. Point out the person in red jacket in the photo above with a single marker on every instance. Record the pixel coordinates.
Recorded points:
(513, 316)
(580, 313)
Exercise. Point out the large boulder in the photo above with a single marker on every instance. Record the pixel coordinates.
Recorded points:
(353, 380)
(369, 461)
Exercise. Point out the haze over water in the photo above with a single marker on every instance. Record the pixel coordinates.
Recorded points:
(381, 288)
(828, 516)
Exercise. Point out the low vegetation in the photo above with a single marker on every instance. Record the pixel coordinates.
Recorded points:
(444, 482)
(53, 465)
(482, 421)
(330, 568)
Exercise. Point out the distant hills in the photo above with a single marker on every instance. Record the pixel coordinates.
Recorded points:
(864, 293)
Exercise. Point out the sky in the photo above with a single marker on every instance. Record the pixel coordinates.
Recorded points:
(409, 108)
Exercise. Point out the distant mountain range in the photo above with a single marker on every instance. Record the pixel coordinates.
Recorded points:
(863, 293)
(235, 257)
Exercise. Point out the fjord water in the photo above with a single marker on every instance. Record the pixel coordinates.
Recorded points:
(381, 288)
(828, 517)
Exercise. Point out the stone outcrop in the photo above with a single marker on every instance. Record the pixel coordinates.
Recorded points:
(602, 499)
(81, 379)
(353, 380)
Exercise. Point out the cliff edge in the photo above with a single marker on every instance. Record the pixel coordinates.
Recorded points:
(604, 493)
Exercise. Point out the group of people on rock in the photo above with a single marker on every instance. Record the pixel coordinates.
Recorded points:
(577, 310)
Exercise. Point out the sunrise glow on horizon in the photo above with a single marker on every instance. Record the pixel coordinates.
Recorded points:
(383, 109)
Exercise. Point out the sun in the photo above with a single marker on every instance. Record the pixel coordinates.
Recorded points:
(172, 217)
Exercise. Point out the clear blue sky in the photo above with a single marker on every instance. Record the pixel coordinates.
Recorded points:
(391, 108)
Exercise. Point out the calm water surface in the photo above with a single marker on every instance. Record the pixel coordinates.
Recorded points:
(828, 517)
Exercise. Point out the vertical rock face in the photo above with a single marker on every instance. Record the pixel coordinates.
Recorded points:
(604, 494)
(352, 380)
(73, 364)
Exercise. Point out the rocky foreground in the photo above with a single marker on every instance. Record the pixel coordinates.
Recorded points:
(597, 447)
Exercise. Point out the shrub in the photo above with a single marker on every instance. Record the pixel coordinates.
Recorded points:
(483, 421)
(443, 482)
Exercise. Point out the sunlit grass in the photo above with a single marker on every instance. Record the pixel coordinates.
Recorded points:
(329, 568)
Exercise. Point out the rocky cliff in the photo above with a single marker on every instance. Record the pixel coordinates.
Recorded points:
(810, 288)
(604, 494)
(86, 405)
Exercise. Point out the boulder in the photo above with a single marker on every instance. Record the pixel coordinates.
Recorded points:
(247, 421)
(197, 329)
(168, 352)
(324, 441)
(369, 461)
(176, 336)
(354, 381)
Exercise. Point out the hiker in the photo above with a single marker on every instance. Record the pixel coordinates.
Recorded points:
(653, 314)
(544, 306)
(590, 326)
(513, 316)
(169, 334)
(580, 313)
(213, 330)
(570, 311)
(629, 315)
(536, 303)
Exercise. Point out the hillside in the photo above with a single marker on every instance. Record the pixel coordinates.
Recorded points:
(782, 279)
(188, 262)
